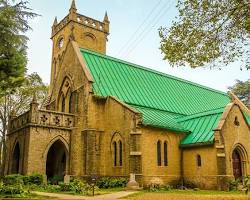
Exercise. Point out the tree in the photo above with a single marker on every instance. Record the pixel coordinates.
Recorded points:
(215, 32)
(15, 101)
(13, 56)
(242, 90)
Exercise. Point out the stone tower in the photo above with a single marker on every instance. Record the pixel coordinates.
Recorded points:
(87, 32)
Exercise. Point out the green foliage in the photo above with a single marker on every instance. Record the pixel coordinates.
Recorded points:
(36, 179)
(215, 32)
(242, 90)
(110, 182)
(234, 185)
(55, 180)
(13, 49)
(154, 187)
(12, 189)
(14, 179)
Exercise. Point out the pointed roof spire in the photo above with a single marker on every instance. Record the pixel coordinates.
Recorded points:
(55, 22)
(106, 18)
(34, 98)
(73, 5)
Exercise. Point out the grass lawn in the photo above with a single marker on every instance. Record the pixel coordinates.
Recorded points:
(189, 195)
(27, 196)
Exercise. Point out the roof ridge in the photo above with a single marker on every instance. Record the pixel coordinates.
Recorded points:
(153, 71)
(200, 114)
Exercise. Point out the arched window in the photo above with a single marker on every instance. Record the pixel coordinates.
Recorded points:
(120, 152)
(198, 160)
(71, 110)
(115, 153)
(63, 103)
(165, 154)
(159, 153)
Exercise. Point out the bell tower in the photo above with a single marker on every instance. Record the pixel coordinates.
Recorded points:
(88, 33)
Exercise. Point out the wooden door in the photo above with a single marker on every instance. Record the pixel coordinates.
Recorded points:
(237, 171)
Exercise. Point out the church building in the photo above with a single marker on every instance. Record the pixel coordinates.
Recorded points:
(109, 117)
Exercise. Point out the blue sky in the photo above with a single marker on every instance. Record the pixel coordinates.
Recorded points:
(126, 41)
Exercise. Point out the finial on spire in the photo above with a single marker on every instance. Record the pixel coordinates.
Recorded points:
(34, 98)
(55, 22)
(106, 18)
(73, 5)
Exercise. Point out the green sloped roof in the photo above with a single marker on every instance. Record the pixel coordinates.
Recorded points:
(201, 126)
(160, 119)
(164, 101)
(140, 86)
(247, 118)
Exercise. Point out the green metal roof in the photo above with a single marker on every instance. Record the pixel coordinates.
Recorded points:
(201, 126)
(164, 101)
(140, 86)
(247, 118)
(160, 119)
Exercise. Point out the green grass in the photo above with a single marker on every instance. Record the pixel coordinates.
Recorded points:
(26, 196)
(189, 192)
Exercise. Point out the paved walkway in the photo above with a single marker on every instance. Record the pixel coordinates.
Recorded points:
(111, 196)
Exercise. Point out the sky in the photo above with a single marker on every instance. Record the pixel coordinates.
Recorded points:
(133, 37)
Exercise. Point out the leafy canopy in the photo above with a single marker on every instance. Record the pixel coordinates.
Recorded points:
(215, 32)
(13, 49)
(242, 90)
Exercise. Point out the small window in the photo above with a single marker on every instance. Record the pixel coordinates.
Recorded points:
(71, 108)
(120, 152)
(198, 160)
(115, 153)
(236, 121)
(63, 104)
(60, 43)
(165, 154)
(159, 153)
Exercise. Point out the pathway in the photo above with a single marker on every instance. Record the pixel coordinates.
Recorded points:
(111, 196)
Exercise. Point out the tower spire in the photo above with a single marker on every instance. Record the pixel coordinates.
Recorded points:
(73, 5)
(106, 18)
(55, 22)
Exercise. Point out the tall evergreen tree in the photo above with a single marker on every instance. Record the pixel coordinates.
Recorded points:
(13, 43)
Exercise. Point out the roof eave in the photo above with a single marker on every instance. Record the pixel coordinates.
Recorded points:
(200, 144)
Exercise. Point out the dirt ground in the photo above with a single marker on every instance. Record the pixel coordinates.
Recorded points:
(165, 196)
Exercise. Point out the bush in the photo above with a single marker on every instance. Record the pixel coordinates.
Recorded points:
(36, 179)
(155, 187)
(110, 182)
(56, 180)
(13, 179)
(11, 189)
(234, 185)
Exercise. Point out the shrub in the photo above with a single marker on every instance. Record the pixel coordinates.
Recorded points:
(36, 179)
(13, 179)
(78, 187)
(56, 179)
(110, 182)
(234, 185)
(156, 187)
(11, 189)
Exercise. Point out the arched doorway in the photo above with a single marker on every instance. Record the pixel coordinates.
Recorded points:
(16, 159)
(56, 161)
(237, 164)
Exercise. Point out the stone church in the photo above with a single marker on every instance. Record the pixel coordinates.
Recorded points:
(109, 117)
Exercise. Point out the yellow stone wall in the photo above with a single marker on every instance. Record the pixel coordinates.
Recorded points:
(204, 176)
(150, 170)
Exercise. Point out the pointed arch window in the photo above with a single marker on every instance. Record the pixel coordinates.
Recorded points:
(115, 153)
(63, 103)
(165, 153)
(71, 109)
(199, 160)
(159, 153)
(120, 153)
